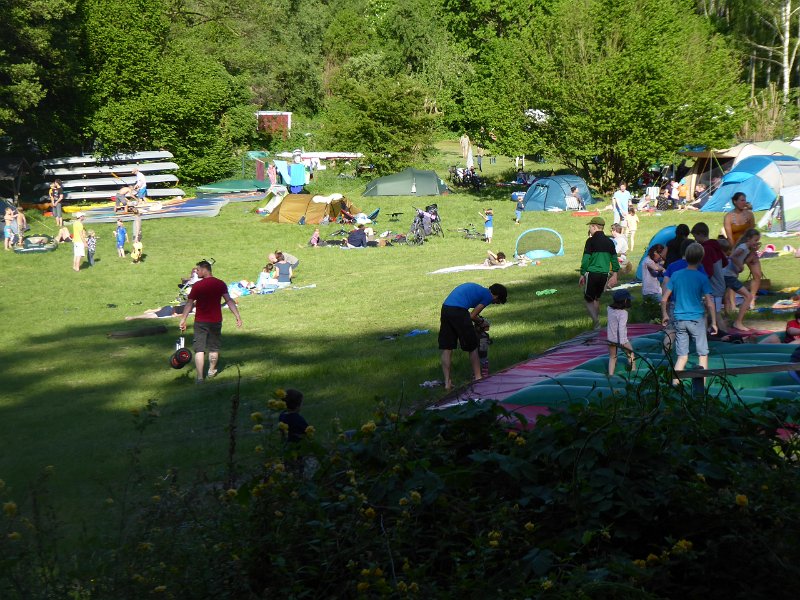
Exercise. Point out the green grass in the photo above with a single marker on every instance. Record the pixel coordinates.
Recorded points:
(68, 388)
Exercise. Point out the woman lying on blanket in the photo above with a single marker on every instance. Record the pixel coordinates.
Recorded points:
(160, 313)
(494, 260)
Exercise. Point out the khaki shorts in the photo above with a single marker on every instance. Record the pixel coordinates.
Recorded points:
(207, 337)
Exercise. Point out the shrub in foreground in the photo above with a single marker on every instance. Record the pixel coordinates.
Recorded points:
(648, 496)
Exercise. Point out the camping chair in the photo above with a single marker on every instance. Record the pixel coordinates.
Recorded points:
(373, 216)
(573, 203)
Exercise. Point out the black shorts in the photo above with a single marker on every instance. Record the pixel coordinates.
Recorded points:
(207, 337)
(456, 327)
(595, 286)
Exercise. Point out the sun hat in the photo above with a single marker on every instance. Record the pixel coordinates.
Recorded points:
(621, 296)
(79, 215)
(598, 221)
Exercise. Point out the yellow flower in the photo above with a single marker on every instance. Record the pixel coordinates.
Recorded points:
(283, 427)
(494, 543)
(529, 526)
(278, 514)
(401, 586)
(160, 588)
(413, 588)
(310, 431)
(741, 500)
(378, 572)
(156, 499)
(403, 451)
(512, 434)
(256, 416)
(231, 492)
(403, 501)
(109, 501)
(415, 497)
(279, 467)
(369, 513)
(393, 417)
(495, 535)
(362, 586)
(397, 469)
(15, 536)
(368, 427)
(520, 441)
(682, 546)
(10, 509)
(652, 559)
(138, 578)
(258, 449)
(276, 405)
(640, 563)
(547, 584)
(257, 428)
(701, 477)
(365, 572)
(280, 394)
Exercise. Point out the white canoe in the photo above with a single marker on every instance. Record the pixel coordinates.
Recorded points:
(106, 169)
(94, 195)
(109, 182)
(114, 158)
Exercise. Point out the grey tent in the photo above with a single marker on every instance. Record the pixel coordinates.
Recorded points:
(409, 182)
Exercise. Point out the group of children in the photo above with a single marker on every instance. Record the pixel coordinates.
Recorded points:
(689, 302)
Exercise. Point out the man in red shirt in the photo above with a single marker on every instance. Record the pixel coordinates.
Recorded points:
(206, 295)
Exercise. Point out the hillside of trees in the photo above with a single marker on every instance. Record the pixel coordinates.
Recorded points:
(607, 87)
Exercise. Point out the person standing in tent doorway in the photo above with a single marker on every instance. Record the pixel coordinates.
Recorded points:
(620, 202)
(205, 296)
(599, 267)
(140, 187)
(577, 195)
(460, 312)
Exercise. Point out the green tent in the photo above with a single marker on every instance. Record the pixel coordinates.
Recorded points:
(409, 182)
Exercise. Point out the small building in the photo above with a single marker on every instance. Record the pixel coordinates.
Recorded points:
(274, 122)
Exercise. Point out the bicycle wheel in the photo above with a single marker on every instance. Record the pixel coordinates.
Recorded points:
(436, 228)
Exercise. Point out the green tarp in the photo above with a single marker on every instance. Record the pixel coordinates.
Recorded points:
(409, 182)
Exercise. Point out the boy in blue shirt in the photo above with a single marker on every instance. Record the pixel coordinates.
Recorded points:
(488, 224)
(692, 292)
(121, 235)
(460, 311)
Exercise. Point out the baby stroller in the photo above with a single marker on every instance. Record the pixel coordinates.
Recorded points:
(420, 228)
(436, 219)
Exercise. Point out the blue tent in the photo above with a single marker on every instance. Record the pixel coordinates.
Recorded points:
(550, 193)
(761, 178)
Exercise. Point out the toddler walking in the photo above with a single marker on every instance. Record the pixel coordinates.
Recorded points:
(617, 332)
(91, 246)
(121, 235)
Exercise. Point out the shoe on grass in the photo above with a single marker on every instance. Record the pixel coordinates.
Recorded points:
(212, 373)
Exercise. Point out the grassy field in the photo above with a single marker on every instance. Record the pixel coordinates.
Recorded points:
(68, 389)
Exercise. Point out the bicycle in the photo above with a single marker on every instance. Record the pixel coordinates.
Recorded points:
(470, 232)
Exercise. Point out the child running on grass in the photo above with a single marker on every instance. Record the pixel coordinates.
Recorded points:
(632, 226)
(692, 291)
(617, 332)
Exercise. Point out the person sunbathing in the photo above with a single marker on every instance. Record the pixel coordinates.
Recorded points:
(63, 235)
(493, 260)
(163, 312)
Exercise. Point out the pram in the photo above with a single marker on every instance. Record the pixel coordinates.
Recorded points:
(426, 222)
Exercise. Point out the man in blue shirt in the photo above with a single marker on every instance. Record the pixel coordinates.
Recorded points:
(692, 291)
(620, 202)
(460, 310)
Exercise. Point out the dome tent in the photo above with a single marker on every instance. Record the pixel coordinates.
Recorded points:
(761, 178)
(550, 193)
(409, 182)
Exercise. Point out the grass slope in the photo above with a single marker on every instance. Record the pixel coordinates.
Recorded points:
(68, 388)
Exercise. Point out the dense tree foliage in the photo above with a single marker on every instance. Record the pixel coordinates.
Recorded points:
(605, 86)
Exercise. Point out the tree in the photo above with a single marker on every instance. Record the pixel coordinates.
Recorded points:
(39, 54)
(384, 118)
(622, 84)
